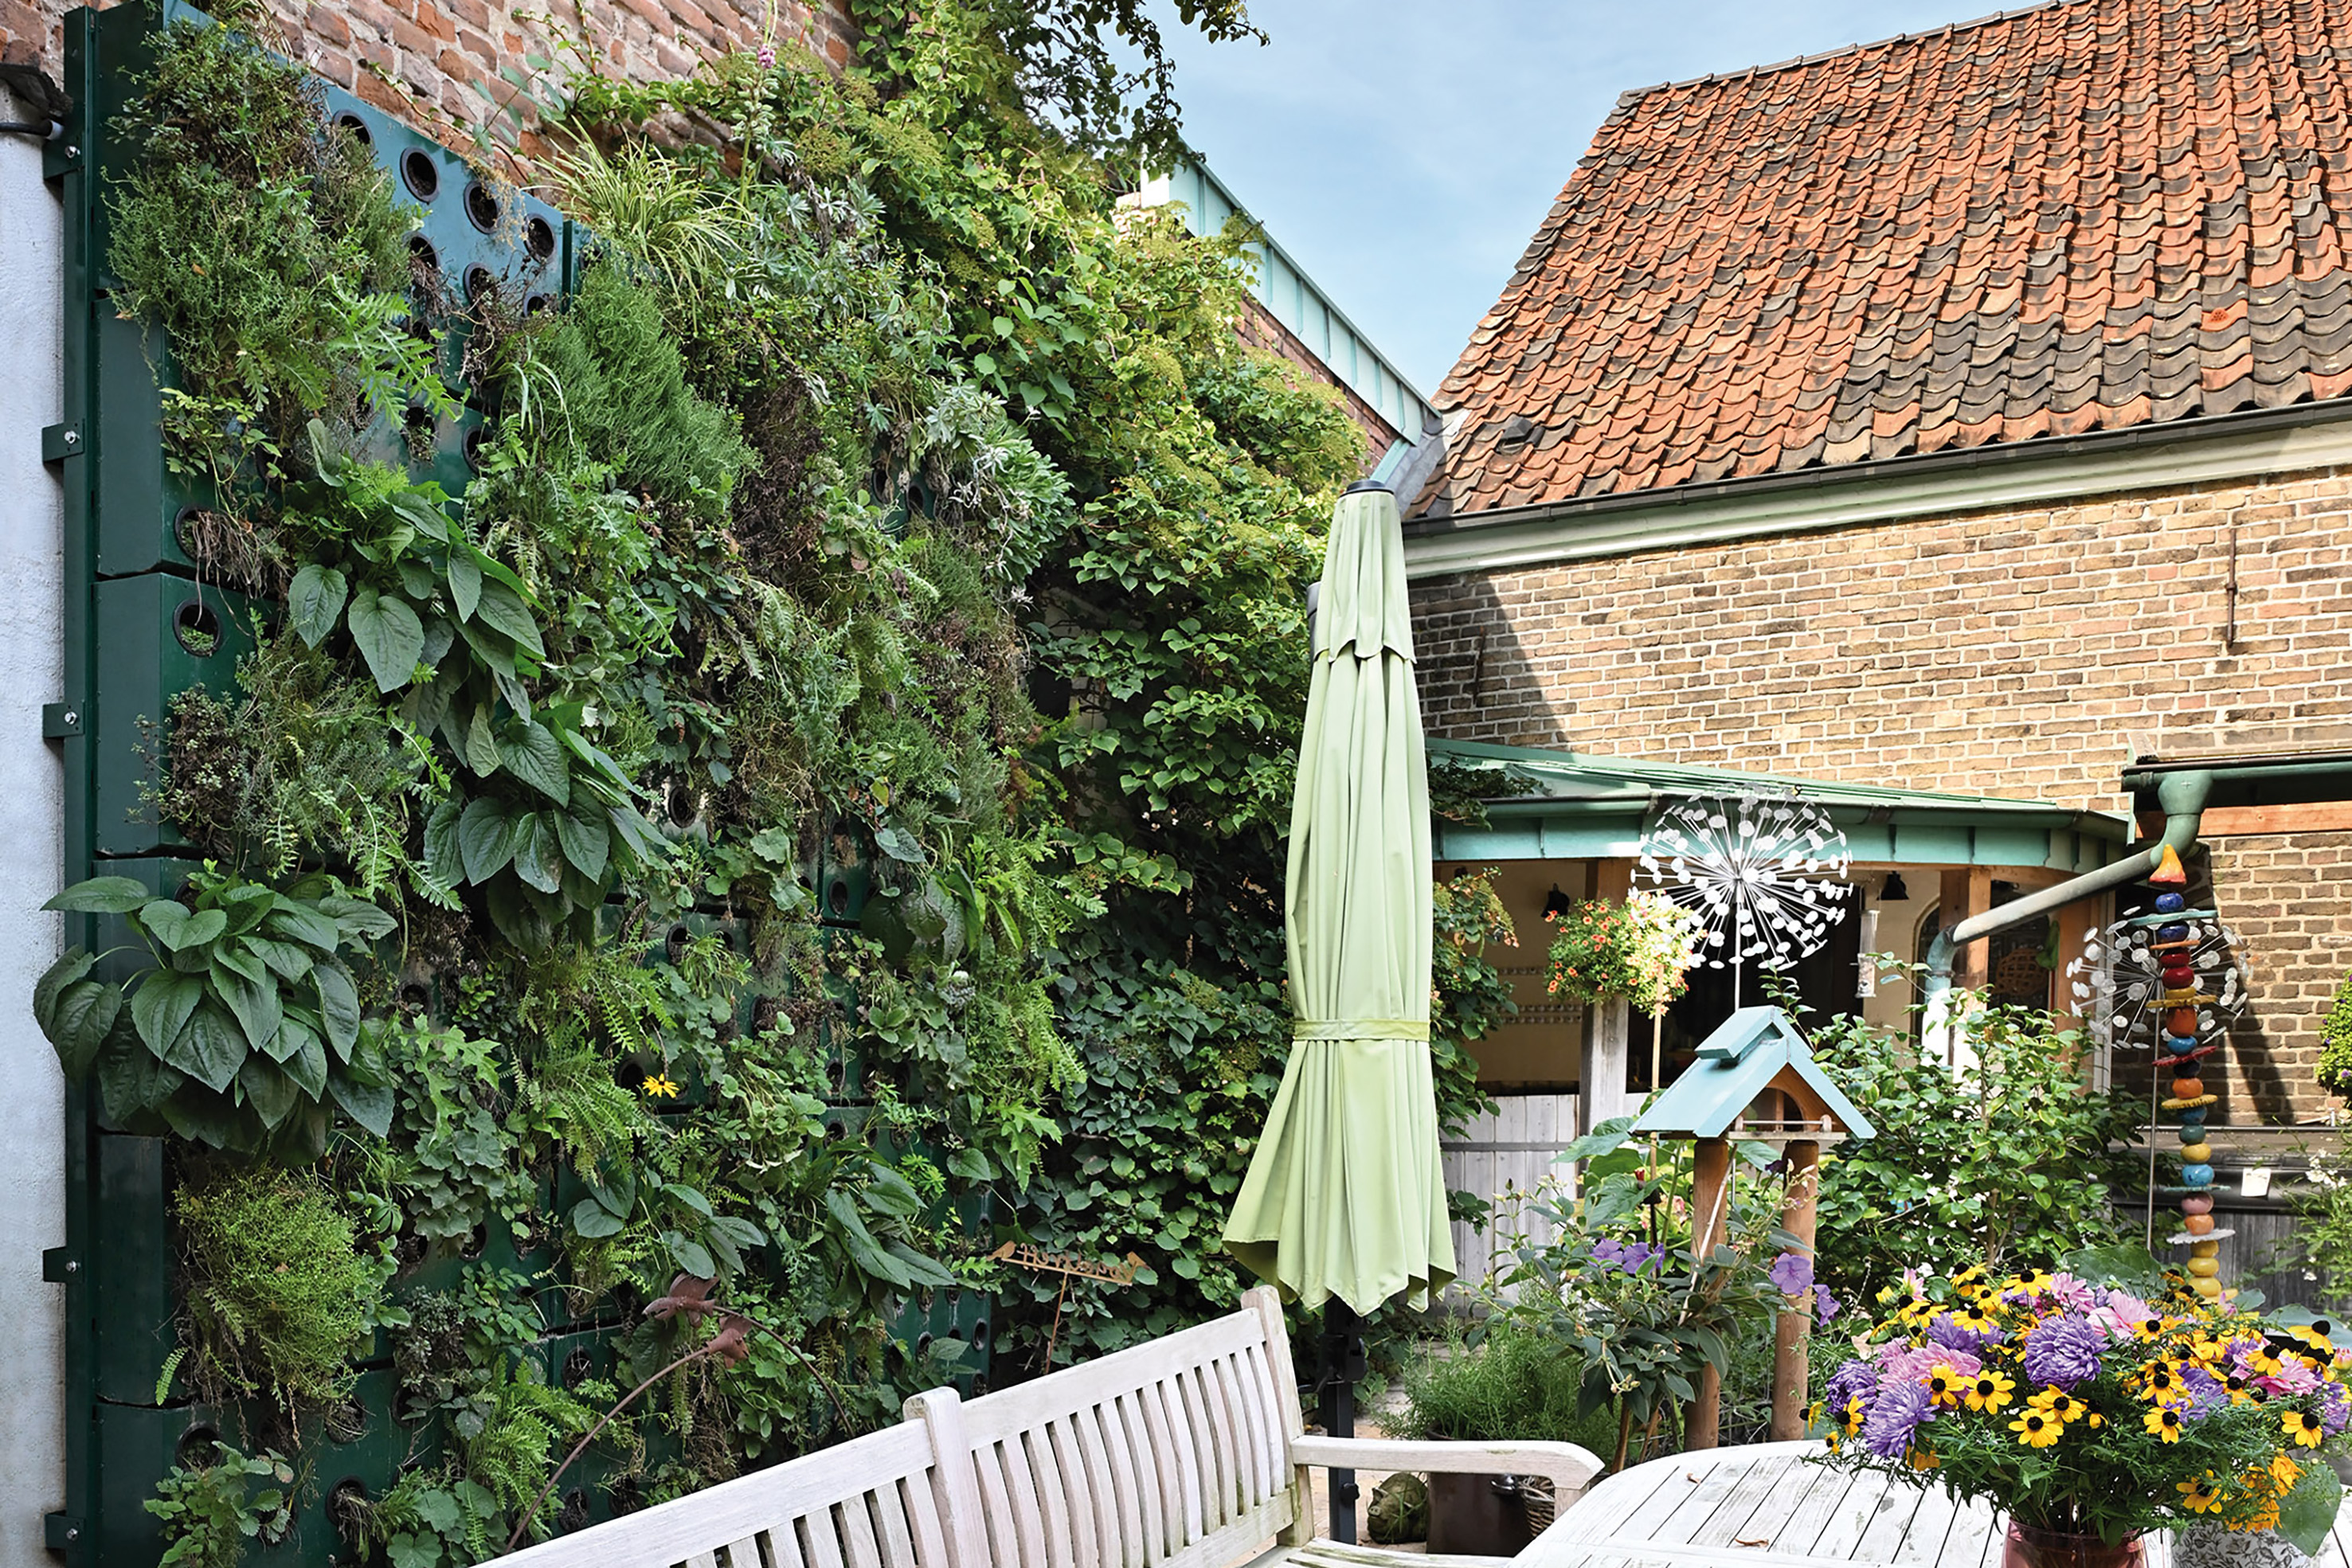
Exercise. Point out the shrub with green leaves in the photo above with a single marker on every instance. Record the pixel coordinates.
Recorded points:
(2334, 1071)
(244, 1032)
(210, 1513)
(2008, 1161)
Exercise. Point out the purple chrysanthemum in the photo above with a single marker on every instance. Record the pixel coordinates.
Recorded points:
(1855, 1377)
(2335, 1408)
(1900, 1408)
(1792, 1273)
(2205, 1394)
(1946, 1331)
(2063, 1351)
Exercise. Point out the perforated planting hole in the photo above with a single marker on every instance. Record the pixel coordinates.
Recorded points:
(418, 172)
(540, 235)
(537, 303)
(575, 1511)
(479, 283)
(472, 447)
(578, 1368)
(357, 128)
(481, 206)
(196, 627)
(837, 896)
(195, 1449)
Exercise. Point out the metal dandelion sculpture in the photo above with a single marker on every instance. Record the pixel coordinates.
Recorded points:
(2119, 982)
(1762, 873)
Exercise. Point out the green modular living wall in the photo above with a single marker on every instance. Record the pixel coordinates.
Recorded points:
(144, 623)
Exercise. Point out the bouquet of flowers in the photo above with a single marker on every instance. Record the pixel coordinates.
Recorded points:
(1641, 950)
(2086, 1410)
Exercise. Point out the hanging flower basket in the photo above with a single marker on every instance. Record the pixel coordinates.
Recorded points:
(1642, 950)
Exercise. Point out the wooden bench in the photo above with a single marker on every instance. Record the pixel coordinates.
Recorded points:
(1186, 1452)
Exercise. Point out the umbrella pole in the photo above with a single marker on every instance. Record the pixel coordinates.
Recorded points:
(1343, 1363)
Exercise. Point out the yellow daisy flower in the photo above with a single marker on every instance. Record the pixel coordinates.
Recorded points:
(1946, 1384)
(2163, 1383)
(659, 1087)
(2037, 1429)
(2305, 1428)
(2163, 1423)
(2285, 1473)
(1990, 1391)
(2202, 1495)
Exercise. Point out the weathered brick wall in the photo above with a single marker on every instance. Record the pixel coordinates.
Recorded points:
(1260, 329)
(2285, 896)
(2010, 652)
(2025, 654)
(438, 62)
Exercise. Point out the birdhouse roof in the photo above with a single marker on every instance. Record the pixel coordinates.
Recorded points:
(1747, 1054)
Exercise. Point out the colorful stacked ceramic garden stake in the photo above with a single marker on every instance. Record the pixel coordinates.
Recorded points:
(2181, 1050)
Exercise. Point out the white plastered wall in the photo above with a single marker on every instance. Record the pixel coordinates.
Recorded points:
(32, 803)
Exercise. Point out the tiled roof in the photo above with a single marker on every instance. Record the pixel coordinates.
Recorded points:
(2090, 215)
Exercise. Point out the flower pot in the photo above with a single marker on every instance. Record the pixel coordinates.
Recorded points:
(2210, 1546)
(1476, 1516)
(2030, 1547)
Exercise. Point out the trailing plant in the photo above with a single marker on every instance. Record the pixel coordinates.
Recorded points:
(243, 1031)
(1640, 949)
(278, 1294)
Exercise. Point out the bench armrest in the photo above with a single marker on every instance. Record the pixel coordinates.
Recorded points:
(1569, 1468)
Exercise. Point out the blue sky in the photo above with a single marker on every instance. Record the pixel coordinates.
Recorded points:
(1404, 152)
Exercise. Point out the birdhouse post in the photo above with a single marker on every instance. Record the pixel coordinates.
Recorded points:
(1756, 1079)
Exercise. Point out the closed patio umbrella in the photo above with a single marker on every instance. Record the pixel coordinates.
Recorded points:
(1344, 1196)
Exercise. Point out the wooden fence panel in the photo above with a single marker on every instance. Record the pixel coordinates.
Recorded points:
(1503, 1159)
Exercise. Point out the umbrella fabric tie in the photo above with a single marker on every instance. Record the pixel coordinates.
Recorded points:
(1359, 1029)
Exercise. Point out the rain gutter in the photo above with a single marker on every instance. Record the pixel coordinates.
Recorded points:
(2181, 795)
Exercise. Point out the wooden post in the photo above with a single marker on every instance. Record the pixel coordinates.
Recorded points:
(1601, 1091)
(1710, 1224)
(1967, 890)
(1792, 1332)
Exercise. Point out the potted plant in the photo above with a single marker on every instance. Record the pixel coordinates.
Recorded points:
(1511, 1384)
(2092, 1414)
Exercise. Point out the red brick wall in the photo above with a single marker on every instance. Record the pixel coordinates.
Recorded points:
(2020, 652)
(438, 60)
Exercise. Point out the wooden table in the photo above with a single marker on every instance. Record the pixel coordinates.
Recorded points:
(1770, 1505)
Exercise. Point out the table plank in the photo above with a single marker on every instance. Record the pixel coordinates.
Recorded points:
(1832, 1533)
(1716, 1482)
(1923, 1541)
(1728, 1525)
(1800, 1509)
(1596, 1513)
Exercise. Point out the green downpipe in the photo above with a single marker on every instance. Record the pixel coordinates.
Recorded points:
(2181, 795)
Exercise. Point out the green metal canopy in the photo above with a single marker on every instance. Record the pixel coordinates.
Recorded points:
(1344, 1196)
(1582, 805)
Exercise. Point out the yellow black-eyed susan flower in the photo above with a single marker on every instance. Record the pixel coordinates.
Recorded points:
(2163, 1423)
(1990, 1391)
(2304, 1428)
(2201, 1494)
(2037, 1429)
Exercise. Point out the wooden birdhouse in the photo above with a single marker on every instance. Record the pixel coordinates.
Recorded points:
(1756, 1079)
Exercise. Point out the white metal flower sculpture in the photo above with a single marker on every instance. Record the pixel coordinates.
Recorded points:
(1762, 873)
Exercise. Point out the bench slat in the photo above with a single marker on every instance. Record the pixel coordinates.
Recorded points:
(1107, 1422)
(860, 1547)
(1151, 1543)
(1172, 1439)
(1085, 1433)
(1084, 1525)
(821, 1538)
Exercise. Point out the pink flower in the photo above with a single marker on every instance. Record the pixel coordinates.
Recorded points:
(1905, 1364)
